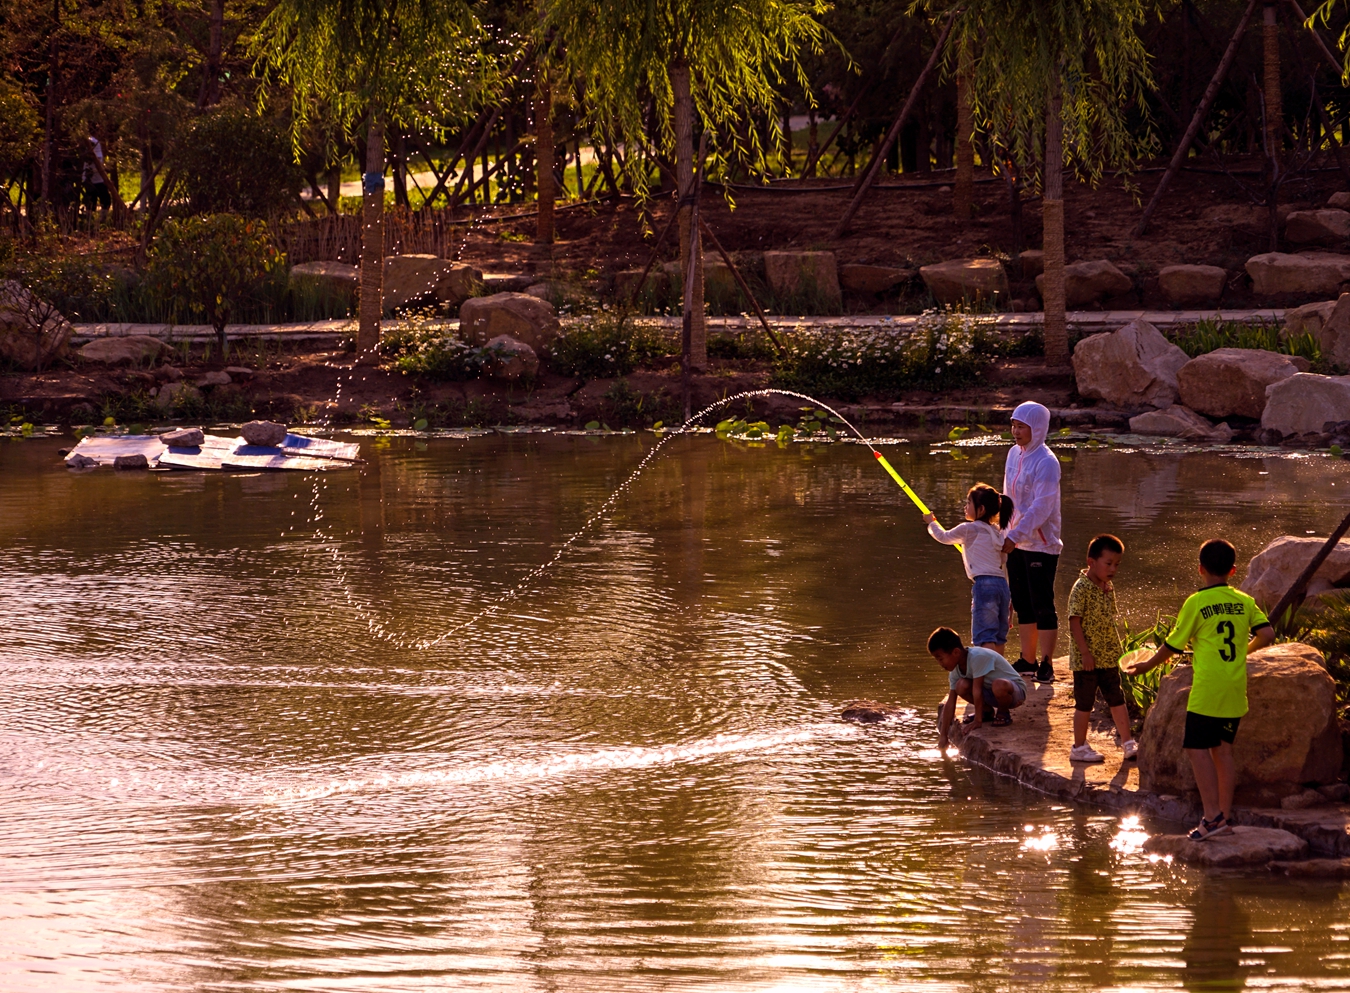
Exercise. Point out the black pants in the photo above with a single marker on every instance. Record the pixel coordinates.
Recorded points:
(1031, 575)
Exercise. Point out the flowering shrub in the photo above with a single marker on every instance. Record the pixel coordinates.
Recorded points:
(424, 347)
(944, 350)
(604, 346)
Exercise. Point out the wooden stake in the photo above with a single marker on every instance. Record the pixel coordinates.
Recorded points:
(1293, 597)
(1201, 112)
(740, 281)
(869, 177)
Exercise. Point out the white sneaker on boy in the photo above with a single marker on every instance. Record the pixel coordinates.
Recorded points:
(1085, 753)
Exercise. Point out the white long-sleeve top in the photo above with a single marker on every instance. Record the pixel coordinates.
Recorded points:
(981, 547)
(1031, 479)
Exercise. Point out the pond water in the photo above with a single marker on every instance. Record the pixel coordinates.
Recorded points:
(224, 767)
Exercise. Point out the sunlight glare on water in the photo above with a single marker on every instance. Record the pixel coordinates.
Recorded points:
(238, 752)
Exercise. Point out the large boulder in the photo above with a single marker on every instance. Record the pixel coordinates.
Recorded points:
(1333, 336)
(1192, 285)
(1033, 263)
(1177, 421)
(132, 349)
(1289, 737)
(966, 281)
(1274, 568)
(1231, 382)
(177, 394)
(335, 280)
(1317, 227)
(626, 282)
(268, 434)
(1304, 403)
(183, 438)
(798, 275)
(1089, 282)
(1340, 200)
(719, 285)
(513, 359)
(1134, 366)
(516, 315)
(1308, 318)
(32, 332)
(858, 278)
(412, 278)
(1320, 273)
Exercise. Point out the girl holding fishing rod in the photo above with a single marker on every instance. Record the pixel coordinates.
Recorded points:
(980, 539)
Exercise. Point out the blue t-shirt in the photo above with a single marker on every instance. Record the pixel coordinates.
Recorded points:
(983, 662)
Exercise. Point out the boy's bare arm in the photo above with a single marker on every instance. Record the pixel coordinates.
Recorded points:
(1158, 658)
(1265, 635)
(1080, 639)
(945, 721)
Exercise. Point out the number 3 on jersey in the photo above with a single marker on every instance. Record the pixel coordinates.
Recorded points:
(1227, 632)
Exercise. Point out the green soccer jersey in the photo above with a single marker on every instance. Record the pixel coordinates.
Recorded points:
(1217, 622)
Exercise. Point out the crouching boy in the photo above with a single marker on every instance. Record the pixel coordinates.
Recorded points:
(979, 675)
(1217, 621)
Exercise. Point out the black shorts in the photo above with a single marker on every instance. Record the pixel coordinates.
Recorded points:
(1203, 731)
(1031, 576)
(1086, 683)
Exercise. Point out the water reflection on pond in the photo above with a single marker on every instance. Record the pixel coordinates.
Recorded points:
(213, 775)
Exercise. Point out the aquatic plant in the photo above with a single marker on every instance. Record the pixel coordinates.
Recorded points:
(1208, 335)
(1141, 691)
(1327, 628)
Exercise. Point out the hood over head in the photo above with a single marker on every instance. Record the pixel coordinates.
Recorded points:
(1035, 416)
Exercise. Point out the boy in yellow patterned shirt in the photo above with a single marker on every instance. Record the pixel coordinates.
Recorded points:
(1095, 648)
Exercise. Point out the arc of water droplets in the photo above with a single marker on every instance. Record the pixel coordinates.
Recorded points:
(378, 629)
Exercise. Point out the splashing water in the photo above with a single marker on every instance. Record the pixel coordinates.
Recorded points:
(378, 629)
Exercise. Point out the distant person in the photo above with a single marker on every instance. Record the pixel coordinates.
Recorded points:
(96, 195)
(1217, 621)
(1095, 648)
(1031, 479)
(978, 675)
(981, 539)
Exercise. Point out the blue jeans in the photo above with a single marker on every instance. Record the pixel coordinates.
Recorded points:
(990, 599)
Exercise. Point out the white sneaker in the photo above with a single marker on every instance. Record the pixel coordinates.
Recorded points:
(1131, 749)
(1085, 753)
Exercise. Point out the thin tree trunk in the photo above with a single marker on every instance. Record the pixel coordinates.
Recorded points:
(334, 188)
(963, 194)
(684, 178)
(812, 143)
(1274, 118)
(543, 155)
(399, 166)
(372, 244)
(1052, 214)
(49, 130)
(209, 94)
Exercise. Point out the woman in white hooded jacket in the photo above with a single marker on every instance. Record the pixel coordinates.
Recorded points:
(1031, 479)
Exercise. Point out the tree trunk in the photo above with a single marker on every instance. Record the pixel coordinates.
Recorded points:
(334, 188)
(787, 140)
(1052, 214)
(543, 155)
(399, 167)
(684, 177)
(812, 142)
(963, 193)
(1274, 117)
(49, 129)
(209, 94)
(372, 245)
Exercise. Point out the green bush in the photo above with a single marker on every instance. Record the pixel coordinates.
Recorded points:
(1328, 630)
(233, 161)
(423, 347)
(212, 267)
(1208, 335)
(945, 350)
(605, 346)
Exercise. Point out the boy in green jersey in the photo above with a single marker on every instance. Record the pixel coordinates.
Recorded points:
(1218, 621)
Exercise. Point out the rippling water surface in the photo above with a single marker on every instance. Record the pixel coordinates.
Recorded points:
(221, 768)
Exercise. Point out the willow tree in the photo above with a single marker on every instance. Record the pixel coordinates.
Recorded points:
(709, 64)
(372, 64)
(1054, 80)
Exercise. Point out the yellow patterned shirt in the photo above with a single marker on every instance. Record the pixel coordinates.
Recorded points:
(1096, 608)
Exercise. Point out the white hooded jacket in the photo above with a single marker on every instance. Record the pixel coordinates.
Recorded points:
(1031, 479)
